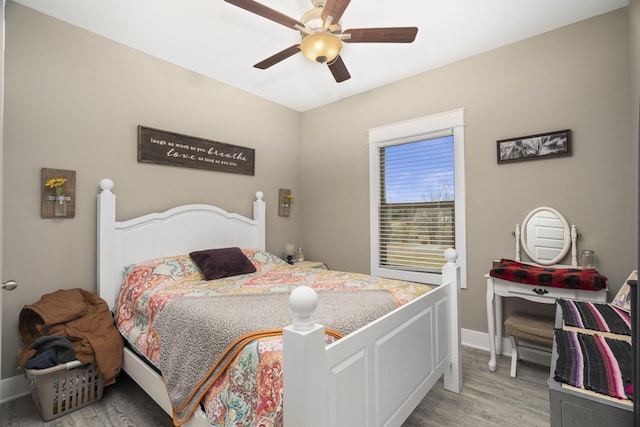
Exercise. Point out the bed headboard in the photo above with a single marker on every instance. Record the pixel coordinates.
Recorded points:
(177, 231)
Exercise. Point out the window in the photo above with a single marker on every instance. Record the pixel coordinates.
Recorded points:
(417, 205)
(417, 197)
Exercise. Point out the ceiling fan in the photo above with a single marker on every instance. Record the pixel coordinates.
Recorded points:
(322, 35)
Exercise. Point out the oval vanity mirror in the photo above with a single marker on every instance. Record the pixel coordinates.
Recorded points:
(545, 236)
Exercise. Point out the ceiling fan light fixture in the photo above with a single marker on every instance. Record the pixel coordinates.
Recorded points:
(321, 47)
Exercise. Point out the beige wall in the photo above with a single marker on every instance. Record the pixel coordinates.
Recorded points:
(576, 77)
(73, 101)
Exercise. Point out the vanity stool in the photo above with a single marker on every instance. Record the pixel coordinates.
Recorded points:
(529, 327)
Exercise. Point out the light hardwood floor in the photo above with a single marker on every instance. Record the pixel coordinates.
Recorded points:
(487, 399)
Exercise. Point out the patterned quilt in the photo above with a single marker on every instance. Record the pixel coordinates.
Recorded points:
(249, 392)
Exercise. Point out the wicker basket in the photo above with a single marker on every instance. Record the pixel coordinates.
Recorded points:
(64, 388)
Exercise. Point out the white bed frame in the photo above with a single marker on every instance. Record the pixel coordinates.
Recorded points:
(375, 376)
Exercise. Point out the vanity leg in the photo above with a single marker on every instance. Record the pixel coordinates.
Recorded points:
(499, 323)
(491, 324)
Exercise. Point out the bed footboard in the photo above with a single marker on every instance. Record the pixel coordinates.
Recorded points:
(377, 375)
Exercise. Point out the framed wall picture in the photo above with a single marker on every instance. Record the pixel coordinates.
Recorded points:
(540, 146)
(623, 297)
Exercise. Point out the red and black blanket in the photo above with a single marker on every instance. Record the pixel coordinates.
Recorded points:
(574, 278)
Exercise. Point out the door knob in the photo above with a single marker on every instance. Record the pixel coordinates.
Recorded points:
(9, 285)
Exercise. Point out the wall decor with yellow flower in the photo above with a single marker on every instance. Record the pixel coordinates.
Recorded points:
(285, 198)
(58, 191)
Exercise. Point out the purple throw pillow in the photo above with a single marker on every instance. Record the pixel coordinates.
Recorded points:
(224, 262)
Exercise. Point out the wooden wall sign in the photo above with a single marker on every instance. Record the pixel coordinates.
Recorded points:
(169, 148)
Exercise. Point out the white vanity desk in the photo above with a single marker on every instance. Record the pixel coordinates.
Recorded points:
(546, 238)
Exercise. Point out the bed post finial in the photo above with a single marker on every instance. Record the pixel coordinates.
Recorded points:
(259, 195)
(451, 255)
(303, 302)
(106, 184)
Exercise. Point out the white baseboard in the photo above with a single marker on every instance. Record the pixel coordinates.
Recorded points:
(16, 387)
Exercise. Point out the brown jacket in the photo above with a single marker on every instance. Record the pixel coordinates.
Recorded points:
(82, 317)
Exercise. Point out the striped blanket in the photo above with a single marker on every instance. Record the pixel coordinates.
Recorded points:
(595, 316)
(594, 363)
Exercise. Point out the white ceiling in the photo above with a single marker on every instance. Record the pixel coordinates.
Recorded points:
(222, 41)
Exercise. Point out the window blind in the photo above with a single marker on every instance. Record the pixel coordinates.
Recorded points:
(417, 204)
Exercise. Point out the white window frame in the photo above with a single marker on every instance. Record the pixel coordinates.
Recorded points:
(428, 127)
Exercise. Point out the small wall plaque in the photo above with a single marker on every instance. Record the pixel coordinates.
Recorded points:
(63, 194)
(284, 202)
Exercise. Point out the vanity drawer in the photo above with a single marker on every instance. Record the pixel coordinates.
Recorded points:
(524, 290)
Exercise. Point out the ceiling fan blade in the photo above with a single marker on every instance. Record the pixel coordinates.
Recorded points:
(339, 70)
(280, 56)
(381, 35)
(335, 9)
(266, 12)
